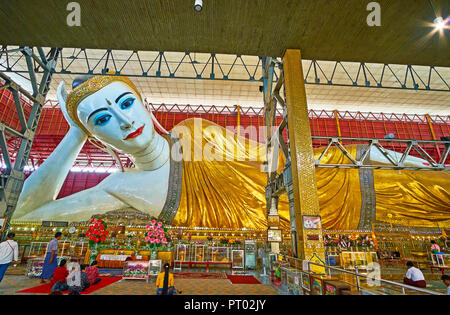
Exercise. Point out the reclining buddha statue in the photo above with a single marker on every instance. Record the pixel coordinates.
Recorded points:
(176, 179)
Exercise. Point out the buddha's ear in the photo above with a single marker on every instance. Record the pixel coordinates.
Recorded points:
(62, 97)
(62, 94)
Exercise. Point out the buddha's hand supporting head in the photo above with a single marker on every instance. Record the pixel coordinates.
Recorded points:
(111, 110)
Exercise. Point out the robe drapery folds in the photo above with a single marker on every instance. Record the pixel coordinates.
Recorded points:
(223, 186)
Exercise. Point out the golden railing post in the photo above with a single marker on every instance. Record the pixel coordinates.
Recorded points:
(310, 241)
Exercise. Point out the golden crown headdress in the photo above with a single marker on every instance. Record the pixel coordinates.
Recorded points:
(89, 87)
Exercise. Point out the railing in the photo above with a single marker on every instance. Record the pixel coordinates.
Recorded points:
(385, 287)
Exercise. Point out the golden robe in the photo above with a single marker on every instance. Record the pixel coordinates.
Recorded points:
(231, 193)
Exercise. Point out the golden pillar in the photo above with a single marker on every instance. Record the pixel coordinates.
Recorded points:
(306, 202)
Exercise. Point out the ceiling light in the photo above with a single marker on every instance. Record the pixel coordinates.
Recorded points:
(439, 23)
(198, 5)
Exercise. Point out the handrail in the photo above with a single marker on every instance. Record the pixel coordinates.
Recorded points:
(400, 285)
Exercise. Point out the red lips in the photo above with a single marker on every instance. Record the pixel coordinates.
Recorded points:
(135, 134)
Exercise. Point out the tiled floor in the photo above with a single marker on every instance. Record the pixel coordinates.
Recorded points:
(217, 285)
(189, 286)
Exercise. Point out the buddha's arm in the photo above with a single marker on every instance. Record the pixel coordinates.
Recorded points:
(79, 206)
(45, 182)
(411, 161)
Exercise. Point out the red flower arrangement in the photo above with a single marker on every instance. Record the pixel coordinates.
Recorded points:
(97, 231)
(156, 234)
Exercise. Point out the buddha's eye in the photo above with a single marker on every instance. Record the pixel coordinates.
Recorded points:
(102, 119)
(127, 103)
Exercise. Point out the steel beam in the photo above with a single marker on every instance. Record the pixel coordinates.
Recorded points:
(13, 178)
(409, 145)
(230, 67)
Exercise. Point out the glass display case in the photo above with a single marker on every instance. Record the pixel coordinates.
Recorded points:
(333, 258)
(182, 252)
(293, 281)
(250, 254)
(306, 283)
(155, 267)
(219, 254)
(37, 249)
(64, 248)
(440, 260)
(136, 270)
(333, 287)
(198, 254)
(237, 258)
(317, 286)
(34, 267)
(360, 259)
(78, 249)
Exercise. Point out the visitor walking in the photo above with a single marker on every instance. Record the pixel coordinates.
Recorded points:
(59, 277)
(93, 274)
(446, 280)
(165, 282)
(50, 261)
(414, 276)
(9, 252)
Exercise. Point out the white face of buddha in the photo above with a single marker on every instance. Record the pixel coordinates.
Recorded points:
(116, 116)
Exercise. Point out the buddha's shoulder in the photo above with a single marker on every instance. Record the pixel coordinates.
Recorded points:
(137, 174)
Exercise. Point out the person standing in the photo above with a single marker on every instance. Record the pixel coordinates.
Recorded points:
(414, 276)
(50, 261)
(9, 252)
(435, 248)
(436, 251)
(165, 282)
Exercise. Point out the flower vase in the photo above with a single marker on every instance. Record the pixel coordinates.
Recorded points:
(153, 255)
(94, 253)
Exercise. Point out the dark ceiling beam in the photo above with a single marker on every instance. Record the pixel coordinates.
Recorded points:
(323, 29)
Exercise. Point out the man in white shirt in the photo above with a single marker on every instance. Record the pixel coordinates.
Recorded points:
(414, 276)
(9, 251)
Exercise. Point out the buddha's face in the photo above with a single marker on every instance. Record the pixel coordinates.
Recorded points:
(116, 116)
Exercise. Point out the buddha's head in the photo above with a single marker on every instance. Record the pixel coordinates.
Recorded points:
(110, 109)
